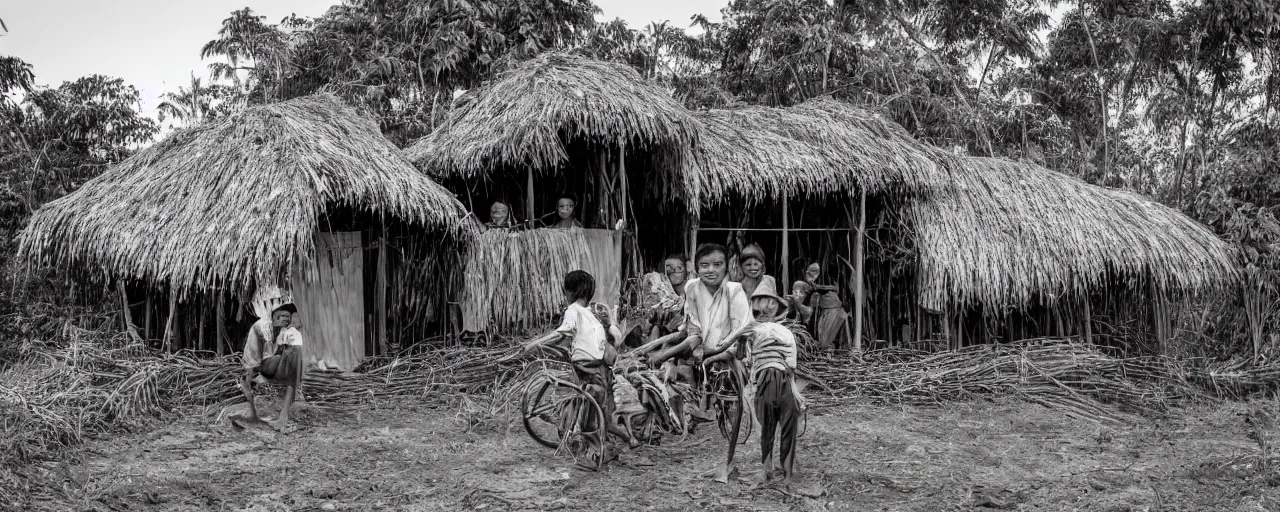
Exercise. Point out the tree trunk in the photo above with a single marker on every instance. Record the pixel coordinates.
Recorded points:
(1102, 96)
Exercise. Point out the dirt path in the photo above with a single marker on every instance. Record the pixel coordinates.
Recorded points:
(1008, 455)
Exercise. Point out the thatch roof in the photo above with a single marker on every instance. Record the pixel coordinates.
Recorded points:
(1006, 231)
(236, 200)
(820, 147)
(528, 115)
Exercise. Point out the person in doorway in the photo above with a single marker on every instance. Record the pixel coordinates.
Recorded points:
(281, 343)
(499, 217)
(828, 317)
(771, 355)
(564, 209)
(753, 269)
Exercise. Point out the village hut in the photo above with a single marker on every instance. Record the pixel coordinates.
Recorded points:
(1012, 250)
(300, 195)
(944, 247)
(559, 126)
(801, 181)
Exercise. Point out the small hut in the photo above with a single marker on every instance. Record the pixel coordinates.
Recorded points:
(555, 126)
(1012, 250)
(299, 194)
(802, 181)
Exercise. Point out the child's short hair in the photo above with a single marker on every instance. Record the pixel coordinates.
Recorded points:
(798, 285)
(579, 285)
(705, 250)
(677, 257)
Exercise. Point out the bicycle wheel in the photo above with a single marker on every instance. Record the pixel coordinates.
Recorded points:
(586, 433)
(542, 411)
(725, 399)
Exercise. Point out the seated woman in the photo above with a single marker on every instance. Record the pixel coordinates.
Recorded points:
(828, 315)
(752, 261)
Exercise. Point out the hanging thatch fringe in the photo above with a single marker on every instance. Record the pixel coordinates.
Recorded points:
(235, 201)
(514, 280)
(1009, 233)
(821, 147)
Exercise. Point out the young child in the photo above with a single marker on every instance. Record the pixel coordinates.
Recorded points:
(771, 354)
(589, 344)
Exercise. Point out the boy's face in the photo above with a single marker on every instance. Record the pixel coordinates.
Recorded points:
(498, 214)
(753, 268)
(812, 272)
(799, 289)
(281, 318)
(711, 269)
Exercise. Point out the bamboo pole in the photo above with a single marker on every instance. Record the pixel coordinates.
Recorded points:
(528, 197)
(146, 318)
(168, 323)
(622, 179)
(786, 242)
(200, 324)
(380, 294)
(1088, 322)
(859, 295)
(220, 323)
(124, 313)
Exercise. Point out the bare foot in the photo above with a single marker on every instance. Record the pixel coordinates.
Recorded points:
(278, 424)
(723, 472)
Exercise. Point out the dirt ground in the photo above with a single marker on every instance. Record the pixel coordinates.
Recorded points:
(982, 455)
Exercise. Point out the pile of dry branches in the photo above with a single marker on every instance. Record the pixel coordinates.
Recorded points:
(1058, 373)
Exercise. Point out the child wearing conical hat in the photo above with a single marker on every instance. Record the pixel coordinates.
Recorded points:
(771, 357)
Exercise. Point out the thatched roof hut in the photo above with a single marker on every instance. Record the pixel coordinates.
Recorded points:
(528, 117)
(1006, 232)
(821, 147)
(236, 201)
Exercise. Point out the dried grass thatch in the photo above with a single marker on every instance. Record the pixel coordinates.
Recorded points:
(1005, 232)
(235, 201)
(821, 147)
(527, 117)
(512, 280)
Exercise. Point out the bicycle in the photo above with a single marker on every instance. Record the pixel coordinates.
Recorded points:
(562, 414)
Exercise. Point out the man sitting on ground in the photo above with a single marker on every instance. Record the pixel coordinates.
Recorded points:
(274, 337)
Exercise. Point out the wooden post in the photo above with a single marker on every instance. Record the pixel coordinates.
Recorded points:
(946, 329)
(528, 199)
(200, 324)
(124, 312)
(1088, 322)
(786, 243)
(220, 323)
(168, 324)
(622, 179)
(858, 293)
(1157, 317)
(380, 293)
(146, 319)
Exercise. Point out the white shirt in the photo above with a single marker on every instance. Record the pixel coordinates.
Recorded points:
(582, 326)
(714, 316)
(261, 344)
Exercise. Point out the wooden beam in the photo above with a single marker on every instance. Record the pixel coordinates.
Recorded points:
(786, 243)
(146, 319)
(529, 197)
(779, 230)
(622, 179)
(168, 324)
(127, 316)
(859, 295)
(220, 324)
(380, 292)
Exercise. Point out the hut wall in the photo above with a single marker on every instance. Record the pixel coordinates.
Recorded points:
(329, 294)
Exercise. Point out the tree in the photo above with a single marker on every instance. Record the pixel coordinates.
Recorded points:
(198, 102)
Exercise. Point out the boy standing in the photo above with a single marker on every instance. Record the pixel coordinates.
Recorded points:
(771, 352)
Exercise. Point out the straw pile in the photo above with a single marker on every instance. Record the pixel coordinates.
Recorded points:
(1005, 232)
(236, 201)
(515, 280)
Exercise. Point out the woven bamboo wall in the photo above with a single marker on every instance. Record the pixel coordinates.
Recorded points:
(329, 294)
